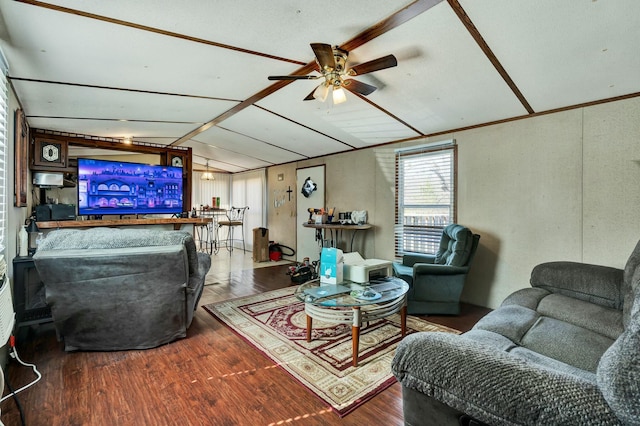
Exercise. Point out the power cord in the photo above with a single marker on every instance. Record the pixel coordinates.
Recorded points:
(15, 397)
(13, 353)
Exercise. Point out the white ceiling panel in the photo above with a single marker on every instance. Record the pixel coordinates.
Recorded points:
(563, 53)
(355, 122)
(443, 80)
(281, 27)
(226, 158)
(70, 48)
(88, 102)
(112, 129)
(226, 142)
(259, 124)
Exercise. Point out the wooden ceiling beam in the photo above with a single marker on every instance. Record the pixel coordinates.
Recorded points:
(389, 23)
(466, 21)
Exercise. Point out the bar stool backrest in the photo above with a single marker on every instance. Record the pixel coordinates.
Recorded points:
(235, 216)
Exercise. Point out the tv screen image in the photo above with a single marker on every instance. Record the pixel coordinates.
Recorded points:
(107, 187)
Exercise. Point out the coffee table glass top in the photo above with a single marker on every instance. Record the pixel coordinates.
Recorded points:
(349, 293)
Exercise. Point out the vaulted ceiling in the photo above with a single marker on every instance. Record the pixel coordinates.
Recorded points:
(194, 73)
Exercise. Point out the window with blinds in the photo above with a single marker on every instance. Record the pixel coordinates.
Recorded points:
(4, 129)
(425, 197)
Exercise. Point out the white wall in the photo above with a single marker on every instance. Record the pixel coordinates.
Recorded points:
(563, 186)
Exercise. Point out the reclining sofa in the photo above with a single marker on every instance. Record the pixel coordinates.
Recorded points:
(117, 289)
(564, 352)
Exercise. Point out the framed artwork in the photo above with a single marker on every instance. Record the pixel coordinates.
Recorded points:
(21, 160)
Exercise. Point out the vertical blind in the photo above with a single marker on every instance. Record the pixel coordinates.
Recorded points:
(425, 197)
(203, 191)
(4, 129)
(248, 189)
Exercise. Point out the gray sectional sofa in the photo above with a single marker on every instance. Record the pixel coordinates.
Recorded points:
(564, 352)
(117, 289)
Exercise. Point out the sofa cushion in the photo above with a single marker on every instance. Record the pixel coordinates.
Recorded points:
(630, 287)
(592, 283)
(455, 246)
(560, 340)
(512, 322)
(108, 238)
(618, 373)
(117, 238)
(504, 344)
(632, 293)
(555, 315)
(597, 318)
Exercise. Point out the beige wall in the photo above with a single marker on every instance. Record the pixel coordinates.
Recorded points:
(562, 186)
(281, 205)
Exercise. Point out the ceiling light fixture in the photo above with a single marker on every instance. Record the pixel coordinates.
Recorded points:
(338, 95)
(207, 175)
(321, 92)
(332, 65)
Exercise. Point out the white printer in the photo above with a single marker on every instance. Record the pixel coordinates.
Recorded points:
(361, 270)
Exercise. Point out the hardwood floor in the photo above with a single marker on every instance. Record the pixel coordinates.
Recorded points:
(212, 377)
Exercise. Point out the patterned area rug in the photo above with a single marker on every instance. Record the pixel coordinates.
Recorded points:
(275, 324)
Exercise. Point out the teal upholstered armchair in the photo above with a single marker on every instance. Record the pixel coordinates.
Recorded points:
(436, 281)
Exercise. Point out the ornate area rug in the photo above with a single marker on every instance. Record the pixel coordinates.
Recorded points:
(275, 324)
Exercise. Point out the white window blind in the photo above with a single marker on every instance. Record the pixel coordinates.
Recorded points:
(203, 191)
(249, 189)
(4, 129)
(425, 197)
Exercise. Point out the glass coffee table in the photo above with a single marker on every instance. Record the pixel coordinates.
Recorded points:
(354, 303)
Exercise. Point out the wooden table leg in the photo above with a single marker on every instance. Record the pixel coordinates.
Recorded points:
(355, 334)
(403, 320)
(309, 327)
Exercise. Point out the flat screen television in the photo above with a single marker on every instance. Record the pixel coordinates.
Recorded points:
(108, 187)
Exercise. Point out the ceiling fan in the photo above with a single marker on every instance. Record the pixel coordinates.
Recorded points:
(333, 68)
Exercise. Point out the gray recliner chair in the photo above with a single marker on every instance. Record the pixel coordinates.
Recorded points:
(118, 289)
(436, 281)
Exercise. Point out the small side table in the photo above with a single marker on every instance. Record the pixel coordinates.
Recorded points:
(334, 303)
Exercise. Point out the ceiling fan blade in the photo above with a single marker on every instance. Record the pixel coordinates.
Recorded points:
(293, 77)
(358, 87)
(310, 96)
(324, 55)
(375, 65)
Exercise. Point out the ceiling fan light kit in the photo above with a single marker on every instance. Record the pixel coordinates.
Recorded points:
(332, 63)
(339, 96)
(321, 92)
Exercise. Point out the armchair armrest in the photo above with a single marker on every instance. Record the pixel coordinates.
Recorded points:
(412, 258)
(493, 386)
(593, 283)
(428, 269)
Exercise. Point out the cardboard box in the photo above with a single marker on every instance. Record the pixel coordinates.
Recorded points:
(260, 245)
(331, 266)
(361, 270)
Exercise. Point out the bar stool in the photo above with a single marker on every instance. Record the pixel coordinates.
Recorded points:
(235, 218)
(204, 234)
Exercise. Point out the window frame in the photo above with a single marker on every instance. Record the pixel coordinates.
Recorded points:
(428, 235)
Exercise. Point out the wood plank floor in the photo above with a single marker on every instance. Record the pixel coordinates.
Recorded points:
(212, 377)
